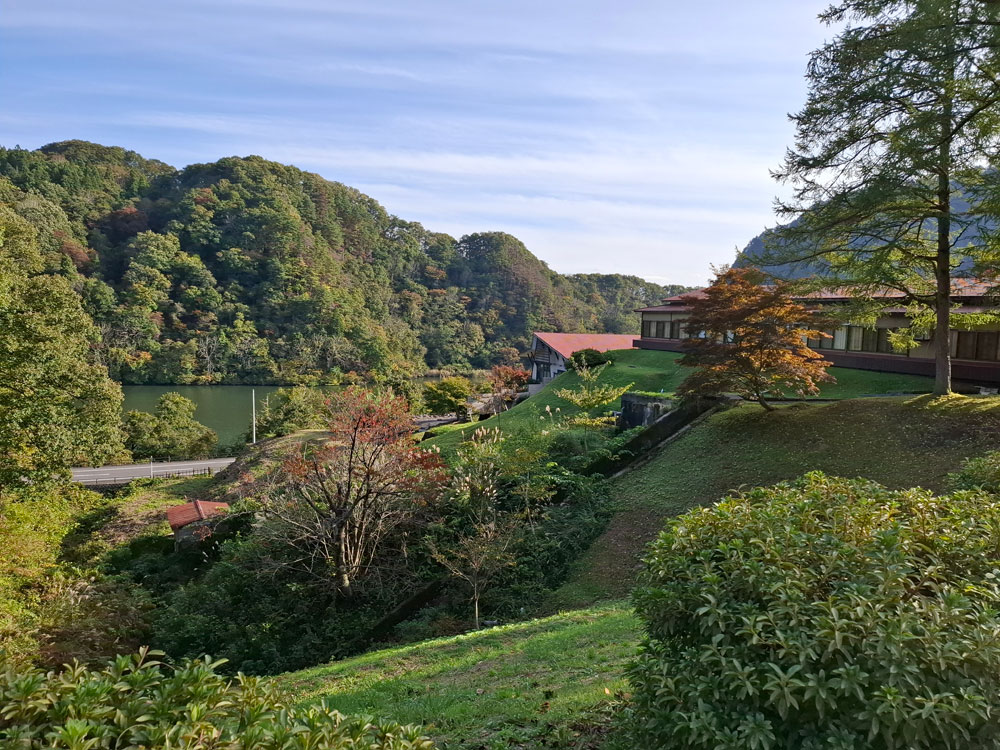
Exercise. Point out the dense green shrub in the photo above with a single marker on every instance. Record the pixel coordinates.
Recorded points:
(51, 610)
(448, 396)
(137, 702)
(981, 472)
(589, 358)
(289, 622)
(824, 613)
(171, 432)
(575, 445)
(289, 410)
(546, 550)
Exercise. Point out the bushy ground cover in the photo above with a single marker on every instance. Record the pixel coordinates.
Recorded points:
(822, 613)
(136, 701)
(543, 683)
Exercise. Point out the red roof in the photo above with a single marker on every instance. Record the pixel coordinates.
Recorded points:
(960, 287)
(180, 516)
(674, 304)
(567, 343)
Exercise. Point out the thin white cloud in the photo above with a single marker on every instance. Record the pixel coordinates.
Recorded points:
(630, 137)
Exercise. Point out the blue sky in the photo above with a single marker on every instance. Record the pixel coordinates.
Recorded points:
(617, 137)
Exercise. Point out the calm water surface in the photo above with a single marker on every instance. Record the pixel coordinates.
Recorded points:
(224, 408)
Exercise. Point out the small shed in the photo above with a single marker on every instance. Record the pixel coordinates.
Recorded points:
(189, 521)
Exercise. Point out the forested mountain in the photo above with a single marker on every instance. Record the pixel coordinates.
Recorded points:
(253, 271)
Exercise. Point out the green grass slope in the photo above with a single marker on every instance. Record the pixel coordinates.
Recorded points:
(659, 371)
(854, 383)
(539, 683)
(899, 442)
(648, 370)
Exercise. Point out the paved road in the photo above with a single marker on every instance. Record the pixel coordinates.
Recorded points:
(122, 474)
(128, 472)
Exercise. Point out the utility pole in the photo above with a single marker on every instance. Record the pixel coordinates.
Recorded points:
(253, 413)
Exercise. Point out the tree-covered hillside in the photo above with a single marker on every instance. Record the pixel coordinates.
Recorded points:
(253, 271)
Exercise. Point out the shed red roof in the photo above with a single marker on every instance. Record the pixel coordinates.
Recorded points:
(567, 343)
(180, 516)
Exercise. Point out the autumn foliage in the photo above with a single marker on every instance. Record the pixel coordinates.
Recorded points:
(749, 338)
(505, 382)
(346, 498)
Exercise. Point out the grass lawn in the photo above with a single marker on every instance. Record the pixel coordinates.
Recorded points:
(853, 383)
(659, 371)
(647, 370)
(540, 683)
(900, 442)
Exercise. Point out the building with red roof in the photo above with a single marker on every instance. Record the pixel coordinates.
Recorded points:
(551, 351)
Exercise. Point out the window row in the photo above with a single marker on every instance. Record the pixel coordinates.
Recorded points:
(980, 345)
(662, 329)
(984, 345)
(856, 339)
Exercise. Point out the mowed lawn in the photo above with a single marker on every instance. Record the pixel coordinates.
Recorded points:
(654, 371)
(541, 683)
(899, 442)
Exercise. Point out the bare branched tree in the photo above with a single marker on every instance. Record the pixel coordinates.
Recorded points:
(337, 503)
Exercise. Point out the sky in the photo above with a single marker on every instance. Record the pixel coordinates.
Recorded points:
(613, 137)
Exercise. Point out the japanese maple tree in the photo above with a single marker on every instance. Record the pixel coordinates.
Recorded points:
(749, 337)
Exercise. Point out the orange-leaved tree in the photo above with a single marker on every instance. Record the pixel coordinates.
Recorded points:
(336, 504)
(747, 335)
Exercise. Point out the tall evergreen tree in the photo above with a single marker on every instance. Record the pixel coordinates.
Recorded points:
(901, 118)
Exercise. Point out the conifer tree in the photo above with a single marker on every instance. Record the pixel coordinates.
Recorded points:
(901, 117)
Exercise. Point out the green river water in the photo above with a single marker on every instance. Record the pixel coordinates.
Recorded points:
(224, 408)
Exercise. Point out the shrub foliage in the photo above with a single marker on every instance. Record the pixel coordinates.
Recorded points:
(589, 358)
(137, 702)
(981, 472)
(824, 613)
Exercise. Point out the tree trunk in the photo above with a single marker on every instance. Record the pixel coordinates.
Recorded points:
(763, 402)
(343, 578)
(942, 262)
(475, 611)
(942, 328)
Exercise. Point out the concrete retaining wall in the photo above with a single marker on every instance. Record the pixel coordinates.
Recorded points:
(640, 411)
(669, 424)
